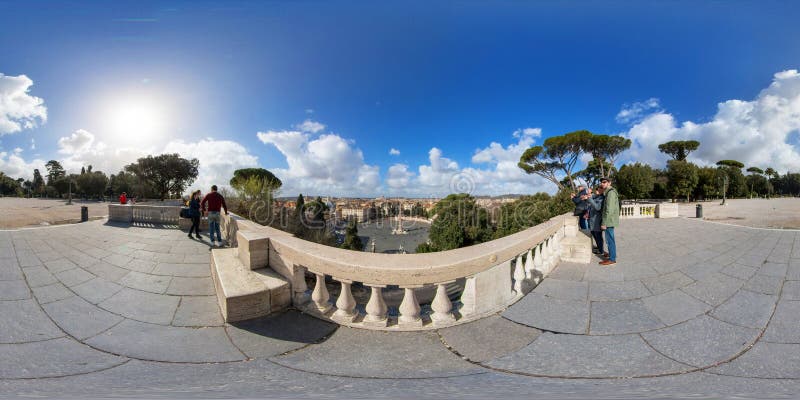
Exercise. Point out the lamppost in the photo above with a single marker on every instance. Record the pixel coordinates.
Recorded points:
(724, 188)
(69, 201)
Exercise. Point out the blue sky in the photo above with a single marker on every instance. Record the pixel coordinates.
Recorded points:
(232, 83)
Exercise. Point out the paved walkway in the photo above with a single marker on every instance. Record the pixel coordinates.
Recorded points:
(691, 307)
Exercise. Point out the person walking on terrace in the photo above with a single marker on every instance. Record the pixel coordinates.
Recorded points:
(215, 203)
(609, 219)
(595, 206)
(194, 214)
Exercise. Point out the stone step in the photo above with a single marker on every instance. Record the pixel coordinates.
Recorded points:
(576, 249)
(243, 293)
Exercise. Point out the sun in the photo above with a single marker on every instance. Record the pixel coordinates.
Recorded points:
(135, 119)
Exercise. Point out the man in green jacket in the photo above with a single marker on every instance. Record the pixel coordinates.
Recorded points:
(610, 219)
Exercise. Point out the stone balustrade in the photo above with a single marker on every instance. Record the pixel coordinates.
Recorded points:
(495, 274)
(649, 210)
(150, 214)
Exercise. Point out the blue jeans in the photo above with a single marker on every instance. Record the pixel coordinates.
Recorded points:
(611, 244)
(213, 225)
(598, 238)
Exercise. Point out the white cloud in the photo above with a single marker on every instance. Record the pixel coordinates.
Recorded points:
(15, 166)
(79, 142)
(310, 126)
(399, 177)
(18, 150)
(18, 109)
(531, 132)
(500, 176)
(758, 133)
(328, 164)
(394, 152)
(218, 159)
(634, 112)
(309, 110)
(33, 144)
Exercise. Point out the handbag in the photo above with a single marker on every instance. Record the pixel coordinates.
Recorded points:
(185, 212)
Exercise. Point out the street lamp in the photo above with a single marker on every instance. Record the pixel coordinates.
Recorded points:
(69, 202)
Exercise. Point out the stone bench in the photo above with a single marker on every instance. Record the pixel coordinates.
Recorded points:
(243, 293)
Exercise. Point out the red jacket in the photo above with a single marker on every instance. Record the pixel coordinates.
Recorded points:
(123, 199)
(215, 202)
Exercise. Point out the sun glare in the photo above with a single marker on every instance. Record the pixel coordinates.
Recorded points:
(137, 119)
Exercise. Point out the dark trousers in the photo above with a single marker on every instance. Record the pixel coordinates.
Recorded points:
(598, 239)
(195, 225)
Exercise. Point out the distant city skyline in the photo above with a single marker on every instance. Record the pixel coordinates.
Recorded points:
(363, 99)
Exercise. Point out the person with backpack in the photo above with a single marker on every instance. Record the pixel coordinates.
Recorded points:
(595, 208)
(194, 214)
(609, 219)
(215, 203)
(580, 207)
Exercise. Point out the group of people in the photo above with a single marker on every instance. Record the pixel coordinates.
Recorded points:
(598, 213)
(211, 206)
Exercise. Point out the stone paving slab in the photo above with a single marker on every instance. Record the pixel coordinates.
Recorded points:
(50, 293)
(410, 355)
(184, 270)
(142, 306)
(198, 311)
(52, 358)
(765, 360)
(146, 282)
(74, 277)
(488, 338)
(23, 321)
(38, 276)
(79, 318)
(739, 271)
(14, 290)
(746, 308)
(96, 290)
(588, 356)
(611, 291)
(167, 343)
(550, 314)
(675, 306)
(191, 286)
(791, 290)
(784, 327)
(107, 271)
(764, 284)
(621, 317)
(563, 289)
(701, 341)
(667, 282)
(714, 291)
(278, 334)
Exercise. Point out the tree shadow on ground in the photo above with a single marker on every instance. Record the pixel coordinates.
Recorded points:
(126, 225)
(290, 326)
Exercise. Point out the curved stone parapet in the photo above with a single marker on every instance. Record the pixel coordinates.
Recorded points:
(496, 273)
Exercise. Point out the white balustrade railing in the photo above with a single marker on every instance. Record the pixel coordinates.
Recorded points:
(495, 275)
(167, 215)
(638, 210)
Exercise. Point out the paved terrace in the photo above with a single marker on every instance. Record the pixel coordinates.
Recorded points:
(691, 307)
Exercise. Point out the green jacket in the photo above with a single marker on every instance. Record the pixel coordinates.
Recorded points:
(610, 214)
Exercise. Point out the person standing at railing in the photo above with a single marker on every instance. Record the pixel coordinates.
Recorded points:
(215, 203)
(194, 214)
(123, 198)
(609, 219)
(595, 207)
(580, 207)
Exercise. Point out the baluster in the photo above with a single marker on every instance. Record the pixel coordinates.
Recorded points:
(545, 256)
(320, 295)
(538, 261)
(299, 287)
(376, 307)
(442, 307)
(519, 276)
(345, 304)
(535, 271)
(468, 300)
(409, 309)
